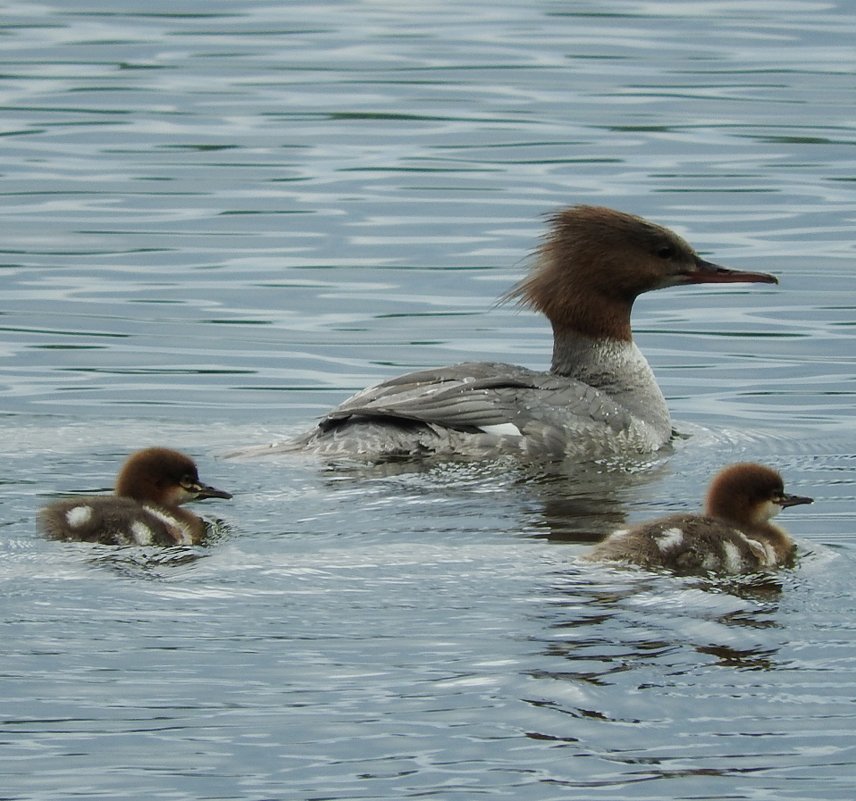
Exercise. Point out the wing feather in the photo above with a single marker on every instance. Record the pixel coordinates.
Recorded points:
(472, 396)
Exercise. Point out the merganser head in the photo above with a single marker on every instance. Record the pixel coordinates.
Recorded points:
(749, 494)
(596, 261)
(163, 476)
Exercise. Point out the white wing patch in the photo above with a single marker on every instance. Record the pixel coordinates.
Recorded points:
(177, 527)
(669, 539)
(733, 559)
(142, 533)
(78, 516)
(502, 429)
(765, 554)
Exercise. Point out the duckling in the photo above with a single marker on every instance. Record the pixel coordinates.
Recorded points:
(145, 509)
(735, 534)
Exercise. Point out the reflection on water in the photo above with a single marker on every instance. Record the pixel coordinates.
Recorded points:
(142, 563)
(221, 222)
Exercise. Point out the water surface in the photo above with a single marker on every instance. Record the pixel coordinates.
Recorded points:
(221, 221)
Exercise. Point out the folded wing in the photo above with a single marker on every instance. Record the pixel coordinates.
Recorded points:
(481, 396)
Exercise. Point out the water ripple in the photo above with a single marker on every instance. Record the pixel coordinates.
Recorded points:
(222, 221)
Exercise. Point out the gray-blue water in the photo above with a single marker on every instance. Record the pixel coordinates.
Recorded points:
(220, 219)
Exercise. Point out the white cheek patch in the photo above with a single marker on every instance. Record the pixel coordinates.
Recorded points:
(502, 430)
(771, 510)
(78, 516)
(142, 533)
(669, 539)
(179, 496)
(765, 511)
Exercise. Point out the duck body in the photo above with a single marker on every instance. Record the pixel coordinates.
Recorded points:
(145, 510)
(487, 408)
(600, 395)
(734, 535)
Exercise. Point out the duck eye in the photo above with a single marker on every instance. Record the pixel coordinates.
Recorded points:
(665, 251)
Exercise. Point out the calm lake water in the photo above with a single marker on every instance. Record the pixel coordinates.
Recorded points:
(221, 219)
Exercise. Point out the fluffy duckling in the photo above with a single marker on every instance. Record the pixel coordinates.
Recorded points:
(145, 509)
(599, 396)
(735, 534)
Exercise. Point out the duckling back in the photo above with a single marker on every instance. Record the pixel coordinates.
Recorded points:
(688, 544)
(115, 520)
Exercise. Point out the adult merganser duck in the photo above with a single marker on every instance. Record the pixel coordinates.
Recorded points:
(145, 509)
(735, 534)
(600, 395)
